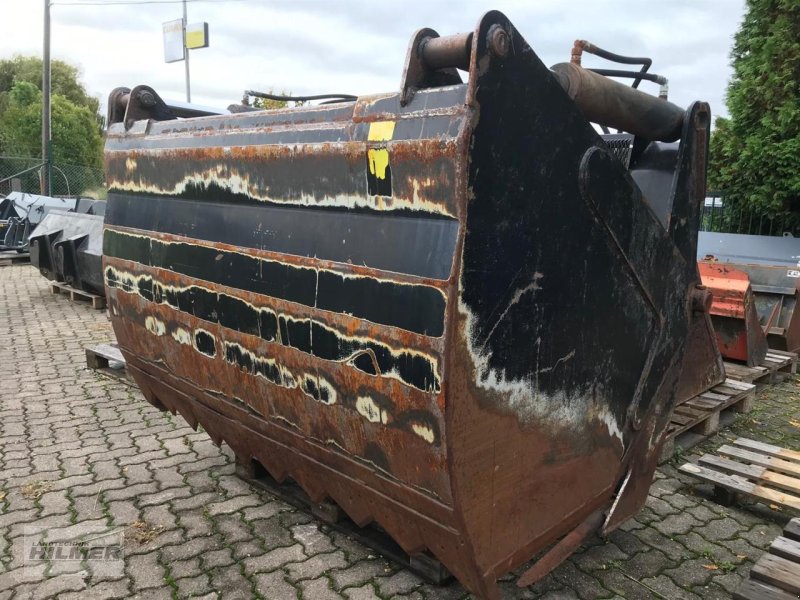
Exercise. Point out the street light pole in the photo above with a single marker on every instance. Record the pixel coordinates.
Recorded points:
(186, 55)
(47, 153)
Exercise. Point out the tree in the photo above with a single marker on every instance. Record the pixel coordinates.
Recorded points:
(755, 155)
(76, 125)
(76, 134)
(77, 139)
(64, 80)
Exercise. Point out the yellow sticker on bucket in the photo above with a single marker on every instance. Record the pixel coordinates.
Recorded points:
(381, 131)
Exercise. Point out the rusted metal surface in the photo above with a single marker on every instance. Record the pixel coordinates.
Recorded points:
(733, 313)
(772, 265)
(448, 310)
(703, 366)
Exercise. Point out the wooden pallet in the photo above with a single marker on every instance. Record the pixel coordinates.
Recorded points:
(14, 258)
(98, 302)
(108, 360)
(777, 366)
(423, 564)
(764, 472)
(701, 417)
(776, 575)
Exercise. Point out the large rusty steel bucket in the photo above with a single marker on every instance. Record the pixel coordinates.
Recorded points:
(449, 310)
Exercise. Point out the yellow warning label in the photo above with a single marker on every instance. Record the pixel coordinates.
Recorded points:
(378, 159)
(381, 131)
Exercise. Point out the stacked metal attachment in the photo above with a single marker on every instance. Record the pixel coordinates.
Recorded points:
(20, 213)
(447, 309)
(771, 265)
(733, 313)
(68, 247)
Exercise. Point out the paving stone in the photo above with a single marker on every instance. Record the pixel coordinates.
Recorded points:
(561, 595)
(195, 524)
(232, 505)
(247, 549)
(631, 525)
(586, 586)
(627, 542)
(759, 536)
(131, 492)
(660, 507)
(667, 588)
(647, 564)
(365, 592)
(185, 568)
(272, 532)
(232, 527)
(145, 571)
(598, 557)
(264, 510)
(400, 583)
(702, 547)
(679, 500)
(191, 586)
(124, 512)
(159, 516)
(315, 566)
(139, 473)
(318, 589)
(616, 581)
(358, 574)
(693, 573)
(313, 540)
(274, 585)
(703, 512)
(662, 543)
(676, 523)
(158, 498)
(274, 559)
(742, 549)
(229, 582)
(190, 548)
(54, 586)
(53, 503)
(101, 591)
(217, 558)
(196, 500)
(728, 581)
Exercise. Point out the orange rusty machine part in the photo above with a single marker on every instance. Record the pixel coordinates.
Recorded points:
(733, 313)
(447, 309)
(772, 265)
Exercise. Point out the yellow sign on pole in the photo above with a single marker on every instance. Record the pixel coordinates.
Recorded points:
(197, 35)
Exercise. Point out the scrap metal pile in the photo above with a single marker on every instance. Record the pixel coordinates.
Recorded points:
(447, 309)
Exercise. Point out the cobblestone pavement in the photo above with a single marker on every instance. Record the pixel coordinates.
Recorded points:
(84, 452)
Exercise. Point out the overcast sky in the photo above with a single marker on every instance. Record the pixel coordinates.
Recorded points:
(358, 47)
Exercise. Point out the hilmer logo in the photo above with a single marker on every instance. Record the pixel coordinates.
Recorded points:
(85, 550)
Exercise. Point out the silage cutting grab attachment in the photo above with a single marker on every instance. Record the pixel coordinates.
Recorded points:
(733, 312)
(771, 265)
(448, 309)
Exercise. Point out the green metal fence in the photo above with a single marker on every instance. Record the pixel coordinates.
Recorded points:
(24, 174)
(719, 216)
